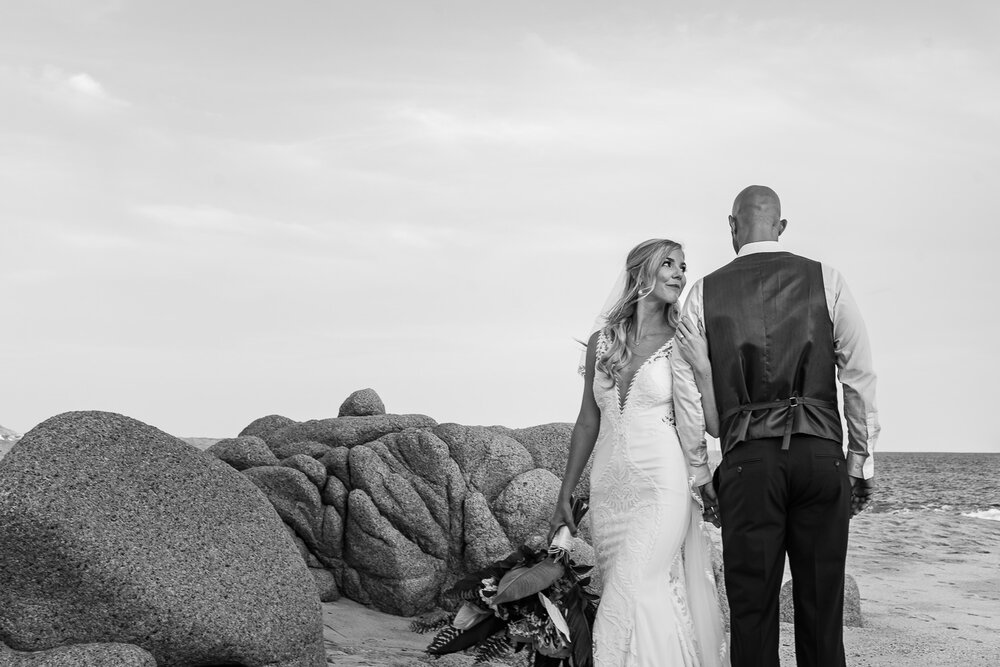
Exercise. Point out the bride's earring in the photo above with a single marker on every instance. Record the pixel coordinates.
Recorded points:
(645, 291)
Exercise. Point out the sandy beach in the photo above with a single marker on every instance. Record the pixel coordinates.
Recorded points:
(930, 592)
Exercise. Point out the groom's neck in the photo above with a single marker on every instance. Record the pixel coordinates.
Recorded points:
(757, 236)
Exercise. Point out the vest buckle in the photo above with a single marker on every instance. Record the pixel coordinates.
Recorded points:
(793, 402)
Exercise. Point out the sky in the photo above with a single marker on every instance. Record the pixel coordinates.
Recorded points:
(215, 211)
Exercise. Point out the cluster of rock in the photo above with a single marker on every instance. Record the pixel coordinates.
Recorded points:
(389, 509)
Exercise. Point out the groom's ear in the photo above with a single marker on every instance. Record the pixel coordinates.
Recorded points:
(781, 226)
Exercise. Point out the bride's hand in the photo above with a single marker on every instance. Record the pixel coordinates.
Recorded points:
(692, 343)
(562, 516)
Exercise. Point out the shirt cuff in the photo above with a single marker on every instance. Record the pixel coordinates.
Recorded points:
(860, 465)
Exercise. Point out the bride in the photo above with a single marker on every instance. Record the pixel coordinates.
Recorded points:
(659, 604)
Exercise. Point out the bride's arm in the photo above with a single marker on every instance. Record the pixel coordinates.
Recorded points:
(694, 348)
(581, 444)
(703, 378)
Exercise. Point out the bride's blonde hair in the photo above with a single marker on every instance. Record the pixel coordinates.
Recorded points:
(641, 266)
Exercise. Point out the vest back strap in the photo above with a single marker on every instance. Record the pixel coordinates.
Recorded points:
(791, 403)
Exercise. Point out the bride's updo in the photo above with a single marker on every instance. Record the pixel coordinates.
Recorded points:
(641, 266)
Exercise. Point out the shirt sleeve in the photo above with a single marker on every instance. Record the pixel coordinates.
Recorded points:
(688, 413)
(855, 372)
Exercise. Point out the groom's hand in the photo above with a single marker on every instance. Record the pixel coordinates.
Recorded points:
(862, 494)
(711, 502)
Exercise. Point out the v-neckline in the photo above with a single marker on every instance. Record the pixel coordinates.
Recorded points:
(622, 404)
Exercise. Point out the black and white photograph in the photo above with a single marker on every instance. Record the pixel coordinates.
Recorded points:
(528, 334)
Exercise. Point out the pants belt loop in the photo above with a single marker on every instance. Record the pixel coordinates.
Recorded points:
(793, 403)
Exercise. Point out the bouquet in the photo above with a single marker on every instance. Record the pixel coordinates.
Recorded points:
(534, 600)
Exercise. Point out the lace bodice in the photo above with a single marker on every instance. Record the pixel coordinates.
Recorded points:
(648, 394)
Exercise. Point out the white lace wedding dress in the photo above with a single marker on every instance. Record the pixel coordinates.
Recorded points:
(659, 605)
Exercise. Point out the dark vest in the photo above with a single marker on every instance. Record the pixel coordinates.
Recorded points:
(770, 340)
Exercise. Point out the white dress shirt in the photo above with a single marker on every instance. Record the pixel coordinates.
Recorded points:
(854, 370)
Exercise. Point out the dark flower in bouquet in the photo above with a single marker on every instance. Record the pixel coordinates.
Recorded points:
(534, 600)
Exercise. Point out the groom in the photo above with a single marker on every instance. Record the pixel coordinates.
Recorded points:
(778, 328)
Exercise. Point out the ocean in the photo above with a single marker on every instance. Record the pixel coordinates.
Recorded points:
(966, 484)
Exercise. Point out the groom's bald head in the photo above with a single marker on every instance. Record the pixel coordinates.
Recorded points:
(757, 204)
(756, 216)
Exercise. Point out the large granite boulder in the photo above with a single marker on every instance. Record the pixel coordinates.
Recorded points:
(326, 584)
(284, 450)
(334, 494)
(484, 537)
(524, 507)
(403, 524)
(362, 403)
(335, 462)
(244, 452)
(488, 460)
(79, 655)
(397, 576)
(548, 445)
(294, 497)
(304, 551)
(852, 603)
(308, 466)
(264, 427)
(347, 431)
(113, 531)
(331, 536)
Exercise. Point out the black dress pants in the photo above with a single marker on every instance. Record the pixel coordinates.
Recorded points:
(772, 501)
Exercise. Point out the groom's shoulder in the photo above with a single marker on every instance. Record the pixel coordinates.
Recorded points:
(809, 261)
(799, 263)
(802, 259)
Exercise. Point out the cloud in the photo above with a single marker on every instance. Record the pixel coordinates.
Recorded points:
(87, 85)
(81, 91)
(92, 241)
(213, 219)
(300, 158)
(558, 58)
(413, 236)
(449, 126)
(23, 277)
(218, 221)
(502, 240)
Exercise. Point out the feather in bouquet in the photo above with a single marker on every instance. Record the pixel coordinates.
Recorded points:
(534, 600)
